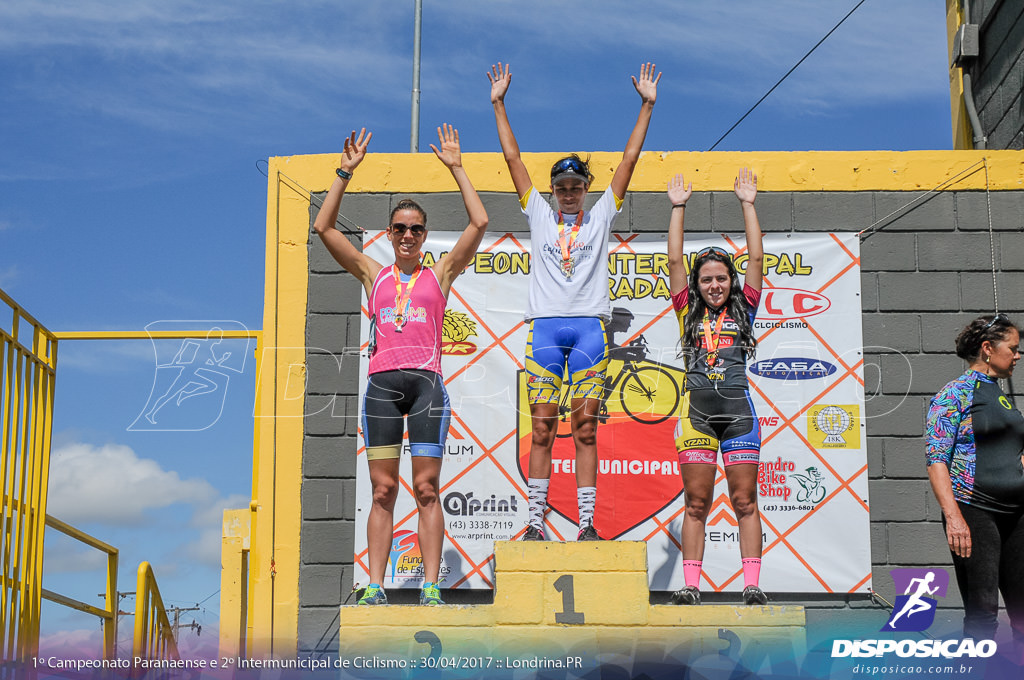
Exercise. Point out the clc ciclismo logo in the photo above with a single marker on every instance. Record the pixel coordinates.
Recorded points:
(914, 611)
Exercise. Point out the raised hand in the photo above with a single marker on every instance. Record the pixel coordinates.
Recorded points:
(647, 86)
(745, 186)
(450, 153)
(678, 190)
(500, 77)
(355, 150)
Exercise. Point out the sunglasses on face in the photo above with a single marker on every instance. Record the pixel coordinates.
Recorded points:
(416, 229)
(712, 249)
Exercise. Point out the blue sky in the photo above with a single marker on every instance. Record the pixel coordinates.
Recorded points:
(129, 189)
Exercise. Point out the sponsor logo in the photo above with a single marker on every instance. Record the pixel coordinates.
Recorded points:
(914, 611)
(768, 421)
(792, 368)
(542, 379)
(698, 442)
(464, 505)
(834, 426)
(406, 559)
(771, 478)
(455, 329)
(792, 303)
(811, 489)
(1005, 403)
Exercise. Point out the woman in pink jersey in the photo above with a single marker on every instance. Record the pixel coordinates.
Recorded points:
(406, 303)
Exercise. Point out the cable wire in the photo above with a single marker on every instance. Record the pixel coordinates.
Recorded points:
(816, 46)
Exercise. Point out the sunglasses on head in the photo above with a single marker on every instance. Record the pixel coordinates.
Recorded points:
(712, 249)
(569, 165)
(416, 229)
(995, 320)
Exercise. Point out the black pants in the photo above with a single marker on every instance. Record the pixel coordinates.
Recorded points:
(996, 565)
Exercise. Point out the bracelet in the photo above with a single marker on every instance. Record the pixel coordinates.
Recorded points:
(343, 174)
(678, 205)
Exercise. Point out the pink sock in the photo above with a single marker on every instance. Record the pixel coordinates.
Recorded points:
(751, 571)
(691, 572)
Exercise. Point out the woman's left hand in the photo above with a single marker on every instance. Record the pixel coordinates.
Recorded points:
(745, 186)
(450, 153)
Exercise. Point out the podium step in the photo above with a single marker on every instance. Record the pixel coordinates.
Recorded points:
(558, 601)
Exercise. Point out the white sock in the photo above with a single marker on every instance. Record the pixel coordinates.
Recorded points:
(587, 498)
(537, 489)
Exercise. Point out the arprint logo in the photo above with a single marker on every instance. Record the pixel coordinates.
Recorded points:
(791, 303)
(914, 610)
(792, 368)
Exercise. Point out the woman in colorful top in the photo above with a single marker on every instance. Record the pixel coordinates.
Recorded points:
(406, 302)
(568, 301)
(716, 314)
(974, 438)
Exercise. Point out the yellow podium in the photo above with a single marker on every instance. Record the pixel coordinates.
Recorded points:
(568, 606)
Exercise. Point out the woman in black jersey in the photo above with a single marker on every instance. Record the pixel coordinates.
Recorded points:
(974, 440)
(716, 311)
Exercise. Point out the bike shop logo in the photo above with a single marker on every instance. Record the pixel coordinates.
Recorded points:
(456, 328)
(792, 368)
(465, 505)
(812, 490)
(792, 303)
(914, 612)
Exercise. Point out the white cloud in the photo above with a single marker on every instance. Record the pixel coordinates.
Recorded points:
(112, 485)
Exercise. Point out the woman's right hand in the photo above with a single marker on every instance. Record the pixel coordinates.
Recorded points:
(355, 150)
(501, 78)
(958, 534)
(678, 190)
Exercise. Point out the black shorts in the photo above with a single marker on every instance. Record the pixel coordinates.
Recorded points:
(393, 395)
(713, 419)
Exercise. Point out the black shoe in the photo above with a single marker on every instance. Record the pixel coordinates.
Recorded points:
(588, 533)
(687, 595)
(754, 595)
(532, 534)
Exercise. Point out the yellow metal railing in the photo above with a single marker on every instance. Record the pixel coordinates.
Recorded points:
(109, 613)
(154, 637)
(28, 362)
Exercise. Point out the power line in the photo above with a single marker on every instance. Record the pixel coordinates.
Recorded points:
(751, 110)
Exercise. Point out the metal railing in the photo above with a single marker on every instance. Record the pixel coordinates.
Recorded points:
(154, 635)
(28, 363)
(109, 614)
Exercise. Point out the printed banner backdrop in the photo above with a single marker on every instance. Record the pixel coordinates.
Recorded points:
(806, 382)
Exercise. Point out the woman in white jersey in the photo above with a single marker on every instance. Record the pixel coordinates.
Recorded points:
(406, 303)
(568, 302)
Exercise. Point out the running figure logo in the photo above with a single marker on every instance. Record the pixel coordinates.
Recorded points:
(192, 376)
(914, 610)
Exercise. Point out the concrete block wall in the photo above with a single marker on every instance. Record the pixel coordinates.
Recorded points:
(998, 73)
(925, 274)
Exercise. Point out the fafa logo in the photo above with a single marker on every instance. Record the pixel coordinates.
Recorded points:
(792, 368)
(914, 610)
(834, 426)
(455, 329)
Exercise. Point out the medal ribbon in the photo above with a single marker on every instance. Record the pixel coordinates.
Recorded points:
(713, 339)
(562, 242)
(402, 294)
